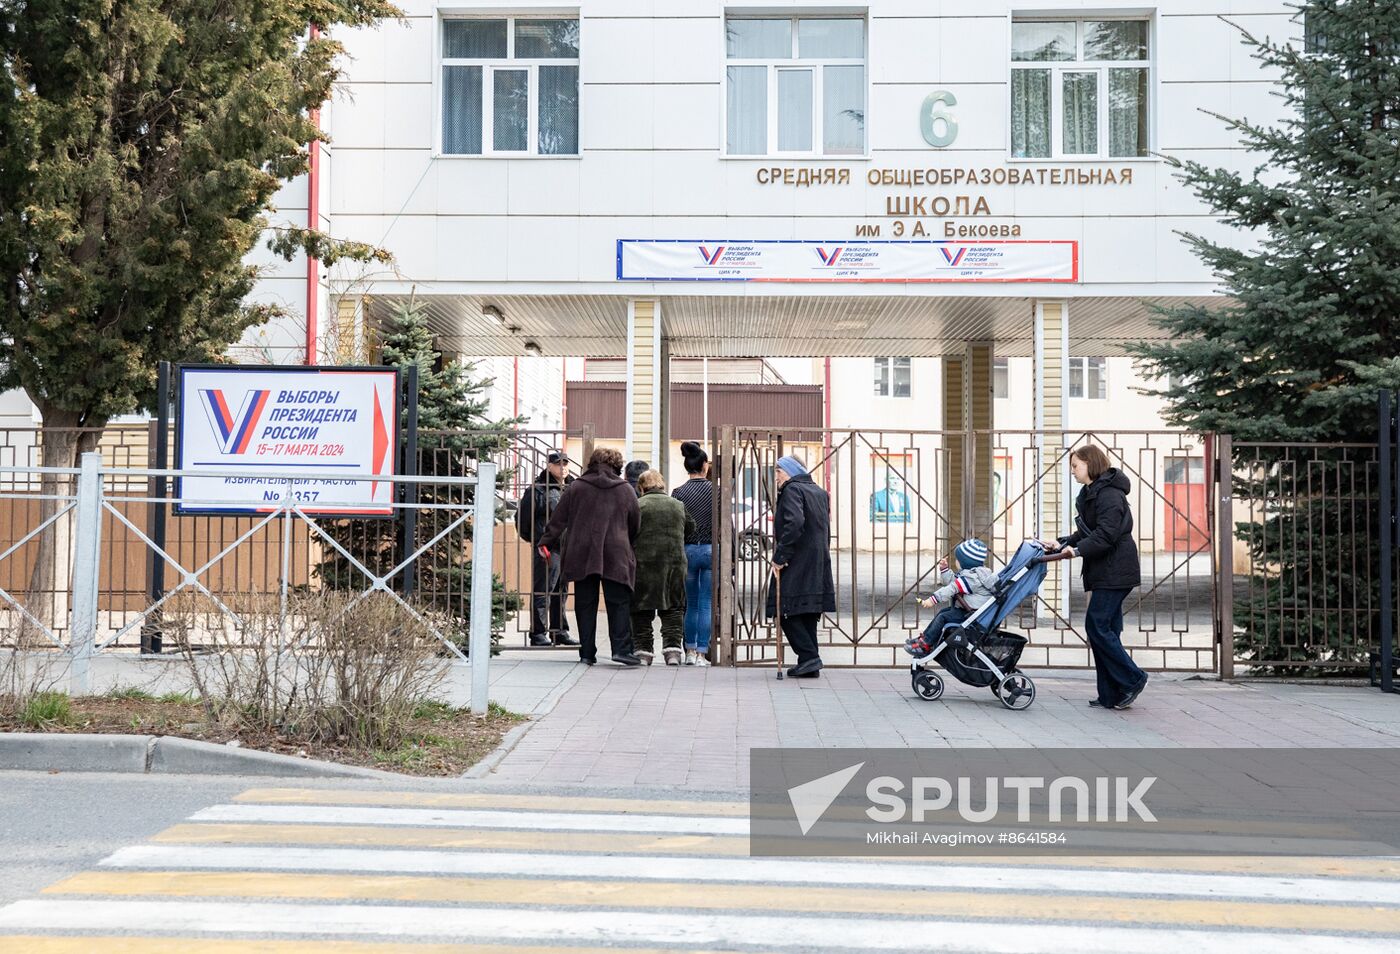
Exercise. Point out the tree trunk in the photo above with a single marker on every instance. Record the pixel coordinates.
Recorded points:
(63, 439)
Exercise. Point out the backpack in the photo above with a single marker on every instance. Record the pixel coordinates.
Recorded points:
(525, 515)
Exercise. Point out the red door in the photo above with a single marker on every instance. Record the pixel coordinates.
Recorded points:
(1184, 510)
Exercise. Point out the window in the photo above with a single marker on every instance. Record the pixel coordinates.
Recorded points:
(1184, 470)
(795, 85)
(510, 87)
(1088, 378)
(893, 377)
(1079, 88)
(1001, 378)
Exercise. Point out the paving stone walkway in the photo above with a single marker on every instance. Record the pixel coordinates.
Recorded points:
(694, 727)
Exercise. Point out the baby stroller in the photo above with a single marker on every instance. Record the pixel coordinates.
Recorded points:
(975, 651)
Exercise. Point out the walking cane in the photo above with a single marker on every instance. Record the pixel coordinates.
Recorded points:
(778, 614)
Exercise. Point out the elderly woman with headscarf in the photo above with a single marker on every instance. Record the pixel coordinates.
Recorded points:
(801, 563)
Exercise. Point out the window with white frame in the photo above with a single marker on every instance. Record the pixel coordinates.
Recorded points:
(509, 86)
(893, 377)
(1088, 378)
(1001, 378)
(794, 85)
(1080, 88)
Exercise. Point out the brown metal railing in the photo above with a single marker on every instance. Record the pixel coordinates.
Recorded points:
(902, 499)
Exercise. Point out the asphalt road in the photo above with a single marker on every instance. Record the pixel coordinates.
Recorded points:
(52, 825)
(139, 865)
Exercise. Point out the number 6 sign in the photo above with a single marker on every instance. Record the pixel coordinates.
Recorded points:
(930, 114)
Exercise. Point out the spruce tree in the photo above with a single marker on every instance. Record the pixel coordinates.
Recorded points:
(454, 432)
(1311, 326)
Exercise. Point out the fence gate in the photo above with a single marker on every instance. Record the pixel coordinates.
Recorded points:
(900, 502)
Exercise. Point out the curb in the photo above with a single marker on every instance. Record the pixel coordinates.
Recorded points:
(512, 738)
(158, 755)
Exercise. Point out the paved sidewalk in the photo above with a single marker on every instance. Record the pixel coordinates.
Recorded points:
(693, 727)
(523, 681)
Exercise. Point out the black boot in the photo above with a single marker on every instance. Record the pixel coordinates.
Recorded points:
(810, 669)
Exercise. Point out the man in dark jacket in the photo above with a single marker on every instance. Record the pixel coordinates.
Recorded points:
(1103, 539)
(599, 512)
(634, 470)
(801, 563)
(548, 625)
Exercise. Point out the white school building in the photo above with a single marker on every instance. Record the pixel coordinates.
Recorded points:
(950, 199)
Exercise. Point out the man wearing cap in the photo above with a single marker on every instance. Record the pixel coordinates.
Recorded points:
(801, 563)
(548, 626)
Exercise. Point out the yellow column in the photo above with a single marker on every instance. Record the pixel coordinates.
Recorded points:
(954, 427)
(343, 342)
(977, 396)
(643, 381)
(661, 460)
(1053, 515)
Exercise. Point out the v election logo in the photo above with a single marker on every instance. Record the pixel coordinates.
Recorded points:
(953, 259)
(711, 258)
(233, 432)
(831, 257)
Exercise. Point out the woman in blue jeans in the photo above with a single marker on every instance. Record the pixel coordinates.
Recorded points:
(1103, 539)
(698, 495)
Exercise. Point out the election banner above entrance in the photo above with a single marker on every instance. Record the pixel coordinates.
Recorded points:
(251, 423)
(781, 260)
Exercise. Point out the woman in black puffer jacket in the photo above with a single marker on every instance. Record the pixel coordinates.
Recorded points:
(1103, 538)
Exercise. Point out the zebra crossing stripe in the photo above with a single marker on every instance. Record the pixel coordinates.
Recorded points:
(547, 803)
(114, 944)
(754, 871)
(633, 927)
(728, 845)
(459, 818)
(943, 899)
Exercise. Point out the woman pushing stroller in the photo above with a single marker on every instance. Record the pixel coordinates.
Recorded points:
(964, 591)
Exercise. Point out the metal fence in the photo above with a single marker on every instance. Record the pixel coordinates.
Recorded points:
(1303, 581)
(36, 574)
(900, 501)
(78, 517)
(1256, 558)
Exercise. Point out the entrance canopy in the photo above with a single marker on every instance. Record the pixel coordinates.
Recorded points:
(796, 326)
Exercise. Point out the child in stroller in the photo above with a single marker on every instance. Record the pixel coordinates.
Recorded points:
(974, 648)
(970, 588)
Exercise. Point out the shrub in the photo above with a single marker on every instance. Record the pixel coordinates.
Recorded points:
(324, 666)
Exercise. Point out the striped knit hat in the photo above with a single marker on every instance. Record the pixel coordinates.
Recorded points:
(971, 553)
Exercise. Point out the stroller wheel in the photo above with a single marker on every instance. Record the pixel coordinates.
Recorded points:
(1016, 691)
(927, 685)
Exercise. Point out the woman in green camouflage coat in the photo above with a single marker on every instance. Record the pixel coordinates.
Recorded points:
(660, 549)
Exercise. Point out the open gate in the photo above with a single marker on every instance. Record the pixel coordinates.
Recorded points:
(901, 500)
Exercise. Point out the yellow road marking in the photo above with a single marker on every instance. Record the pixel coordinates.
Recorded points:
(34, 944)
(678, 896)
(631, 806)
(727, 845)
(550, 803)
